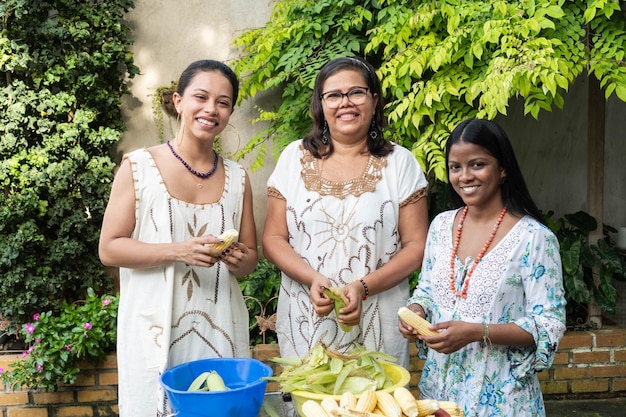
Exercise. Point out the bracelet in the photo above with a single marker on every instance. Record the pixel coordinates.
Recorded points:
(367, 291)
(486, 339)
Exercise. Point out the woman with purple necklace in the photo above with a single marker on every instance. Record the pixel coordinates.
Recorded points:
(179, 297)
(491, 284)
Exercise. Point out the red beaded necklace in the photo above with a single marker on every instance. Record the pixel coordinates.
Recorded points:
(457, 239)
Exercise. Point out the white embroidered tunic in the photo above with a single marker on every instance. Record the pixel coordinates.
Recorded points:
(344, 230)
(176, 313)
(518, 281)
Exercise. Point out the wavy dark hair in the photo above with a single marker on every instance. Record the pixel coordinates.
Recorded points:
(492, 138)
(313, 140)
(206, 65)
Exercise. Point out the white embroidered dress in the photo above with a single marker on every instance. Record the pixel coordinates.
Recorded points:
(176, 313)
(518, 281)
(345, 231)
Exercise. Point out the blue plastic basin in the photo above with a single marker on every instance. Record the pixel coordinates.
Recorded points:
(241, 375)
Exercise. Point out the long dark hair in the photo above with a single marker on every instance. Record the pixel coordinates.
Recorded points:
(492, 138)
(206, 65)
(313, 140)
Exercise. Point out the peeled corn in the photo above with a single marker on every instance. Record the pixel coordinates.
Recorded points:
(452, 408)
(387, 404)
(416, 322)
(427, 407)
(367, 401)
(406, 401)
(311, 408)
(347, 400)
(330, 406)
(227, 238)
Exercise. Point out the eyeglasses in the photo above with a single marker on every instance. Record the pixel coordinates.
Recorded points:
(356, 96)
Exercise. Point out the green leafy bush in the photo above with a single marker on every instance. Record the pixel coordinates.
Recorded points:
(64, 64)
(56, 343)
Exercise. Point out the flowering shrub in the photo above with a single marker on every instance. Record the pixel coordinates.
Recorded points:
(83, 330)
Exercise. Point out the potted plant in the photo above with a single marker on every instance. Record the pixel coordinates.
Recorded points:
(581, 259)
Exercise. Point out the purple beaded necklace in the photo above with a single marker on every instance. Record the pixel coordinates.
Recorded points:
(202, 175)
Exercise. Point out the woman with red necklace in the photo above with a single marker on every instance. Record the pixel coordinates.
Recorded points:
(491, 284)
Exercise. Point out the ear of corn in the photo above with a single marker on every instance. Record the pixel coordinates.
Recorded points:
(427, 407)
(452, 408)
(367, 401)
(340, 300)
(388, 406)
(330, 406)
(347, 400)
(227, 238)
(415, 321)
(311, 408)
(406, 401)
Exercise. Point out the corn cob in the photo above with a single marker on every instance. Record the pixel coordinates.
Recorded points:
(427, 407)
(367, 401)
(452, 408)
(347, 400)
(347, 412)
(227, 238)
(311, 408)
(407, 401)
(340, 300)
(330, 406)
(415, 321)
(387, 404)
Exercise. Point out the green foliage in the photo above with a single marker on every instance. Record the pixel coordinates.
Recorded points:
(82, 331)
(260, 289)
(64, 64)
(580, 257)
(439, 62)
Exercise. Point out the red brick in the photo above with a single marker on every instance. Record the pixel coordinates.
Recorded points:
(619, 385)
(561, 358)
(80, 411)
(576, 340)
(27, 412)
(59, 397)
(14, 398)
(589, 372)
(107, 378)
(619, 355)
(554, 387)
(610, 337)
(591, 385)
(591, 357)
(97, 395)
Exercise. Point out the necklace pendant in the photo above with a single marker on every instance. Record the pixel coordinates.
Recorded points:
(199, 186)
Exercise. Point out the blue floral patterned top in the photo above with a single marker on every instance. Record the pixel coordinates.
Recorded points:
(518, 281)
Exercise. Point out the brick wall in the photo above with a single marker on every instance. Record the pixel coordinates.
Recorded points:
(588, 363)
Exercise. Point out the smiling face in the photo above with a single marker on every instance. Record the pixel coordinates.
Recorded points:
(475, 174)
(206, 105)
(348, 123)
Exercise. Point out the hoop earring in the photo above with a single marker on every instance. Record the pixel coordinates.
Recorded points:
(373, 132)
(325, 133)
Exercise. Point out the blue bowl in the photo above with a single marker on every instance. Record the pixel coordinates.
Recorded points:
(241, 375)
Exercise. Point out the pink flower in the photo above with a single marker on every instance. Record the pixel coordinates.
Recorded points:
(39, 368)
(87, 326)
(1, 370)
(36, 316)
(38, 340)
(68, 347)
(30, 328)
(106, 302)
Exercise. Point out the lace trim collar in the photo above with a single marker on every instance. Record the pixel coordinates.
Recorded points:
(365, 183)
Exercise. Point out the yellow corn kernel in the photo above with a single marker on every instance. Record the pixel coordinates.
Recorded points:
(415, 321)
(387, 404)
(427, 407)
(311, 408)
(367, 401)
(347, 400)
(330, 406)
(227, 238)
(406, 401)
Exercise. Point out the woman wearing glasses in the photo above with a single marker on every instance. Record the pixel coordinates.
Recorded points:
(346, 209)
